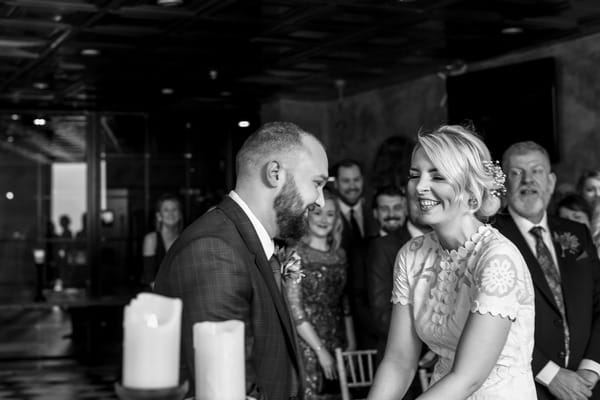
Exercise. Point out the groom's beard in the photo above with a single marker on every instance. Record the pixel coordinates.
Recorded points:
(289, 211)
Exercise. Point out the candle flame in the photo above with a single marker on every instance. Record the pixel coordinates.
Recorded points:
(151, 320)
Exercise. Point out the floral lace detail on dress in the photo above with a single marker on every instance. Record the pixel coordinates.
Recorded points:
(500, 277)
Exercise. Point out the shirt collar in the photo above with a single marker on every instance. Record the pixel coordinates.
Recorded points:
(265, 240)
(525, 225)
(345, 208)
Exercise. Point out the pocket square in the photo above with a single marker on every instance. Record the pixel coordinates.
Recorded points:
(582, 256)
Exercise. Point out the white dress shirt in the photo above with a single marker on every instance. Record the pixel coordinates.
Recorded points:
(358, 213)
(265, 240)
(550, 370)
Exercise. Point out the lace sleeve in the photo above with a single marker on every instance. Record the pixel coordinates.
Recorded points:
(499, 280)
(293, 291)
(401, 292)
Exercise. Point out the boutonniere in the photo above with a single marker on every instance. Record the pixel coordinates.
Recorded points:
(567, 241)
(291, 265)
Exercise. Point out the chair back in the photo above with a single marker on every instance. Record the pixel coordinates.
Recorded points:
(356, 369)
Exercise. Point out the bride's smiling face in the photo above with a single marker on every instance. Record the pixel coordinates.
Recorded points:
(435, 197)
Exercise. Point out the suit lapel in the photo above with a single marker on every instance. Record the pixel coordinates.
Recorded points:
(507, 226)
(248, 234)
(568, 276)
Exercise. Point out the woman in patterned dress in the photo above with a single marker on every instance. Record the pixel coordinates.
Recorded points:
(463, 289)
(319, 307)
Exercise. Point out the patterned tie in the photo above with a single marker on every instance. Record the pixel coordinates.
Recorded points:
(356, 232)
(553, 278)
(276, 267)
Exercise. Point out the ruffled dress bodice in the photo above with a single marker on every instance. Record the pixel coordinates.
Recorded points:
(486, 275)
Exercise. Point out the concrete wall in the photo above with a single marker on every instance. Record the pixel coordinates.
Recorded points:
(578, 101)
(357, 128)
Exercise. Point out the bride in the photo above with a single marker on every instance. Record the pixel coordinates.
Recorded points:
(463, 289)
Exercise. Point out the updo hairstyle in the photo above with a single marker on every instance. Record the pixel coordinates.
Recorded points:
(459, 155)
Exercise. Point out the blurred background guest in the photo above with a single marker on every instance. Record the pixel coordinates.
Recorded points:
(588, 186)
(575, 208)
(169, 223)
(380, 258)
(359, 226)
(318, 305)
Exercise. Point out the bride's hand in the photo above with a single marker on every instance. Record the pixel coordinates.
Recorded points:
(327, 362)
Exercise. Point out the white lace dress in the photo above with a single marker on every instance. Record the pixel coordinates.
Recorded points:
(486, 275)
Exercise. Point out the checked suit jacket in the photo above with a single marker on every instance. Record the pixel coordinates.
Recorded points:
(219, 270)
(580, 281)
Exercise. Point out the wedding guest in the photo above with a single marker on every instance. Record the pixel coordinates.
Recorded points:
(575, 208)
(565, 269)
(318, 305)
(359, 226)
(381, 254)
(588, 186)
(222, 266)
(168, 225)
(463, 289)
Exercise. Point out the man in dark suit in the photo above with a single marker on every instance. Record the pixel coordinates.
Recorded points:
(358, 220)
(359, 226)
(565, 270)
(220, 266)
(381, 255)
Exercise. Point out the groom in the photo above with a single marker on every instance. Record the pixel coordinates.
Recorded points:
(220, 266)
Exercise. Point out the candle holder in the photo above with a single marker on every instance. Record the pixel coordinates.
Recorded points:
(175, 393)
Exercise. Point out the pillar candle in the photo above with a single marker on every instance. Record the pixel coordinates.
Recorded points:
(152, 334)
(219, 360)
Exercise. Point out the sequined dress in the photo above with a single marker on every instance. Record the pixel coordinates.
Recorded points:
(486, 275)
(318, 299)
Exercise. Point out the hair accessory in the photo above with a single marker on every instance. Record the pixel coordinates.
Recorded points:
(494, 169)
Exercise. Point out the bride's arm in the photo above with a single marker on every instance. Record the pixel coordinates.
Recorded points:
(481, 342)
(397, 369)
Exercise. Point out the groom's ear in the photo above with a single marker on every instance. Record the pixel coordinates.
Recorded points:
(274, 174)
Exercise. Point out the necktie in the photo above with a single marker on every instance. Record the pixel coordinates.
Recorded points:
(553, 278)
(276, 267)
(356, 232)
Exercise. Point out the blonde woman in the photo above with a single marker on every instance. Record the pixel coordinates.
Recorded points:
(319, 307)
(463, 289)
(169, 224)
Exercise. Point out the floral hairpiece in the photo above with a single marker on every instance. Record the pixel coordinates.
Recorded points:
(494, 169)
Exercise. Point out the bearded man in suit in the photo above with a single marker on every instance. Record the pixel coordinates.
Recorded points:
(565, 270)
(220, 266)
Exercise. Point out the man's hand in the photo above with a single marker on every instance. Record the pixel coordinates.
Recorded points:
(590, 376)
(569, 385)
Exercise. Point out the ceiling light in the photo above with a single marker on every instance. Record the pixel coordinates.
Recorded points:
(39, 122)
(169, 3)
(512, 30)
(213, 73)
(40, 85)
(243, 124)
(15, 117)
(167, 90)
(10, 195)
(90, 52)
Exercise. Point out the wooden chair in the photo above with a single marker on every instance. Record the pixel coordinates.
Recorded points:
(425, 371)
(355, 369)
